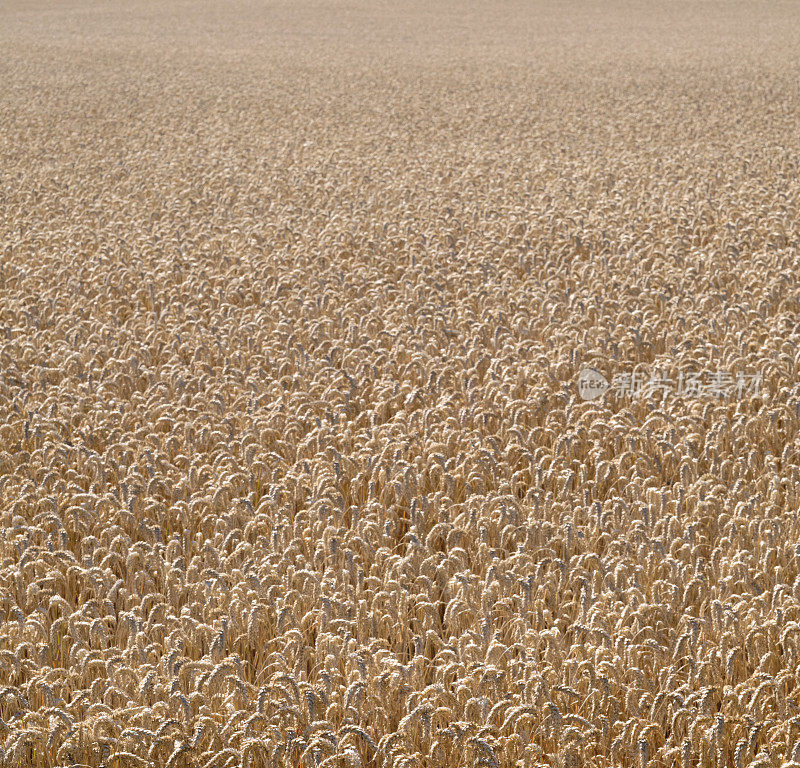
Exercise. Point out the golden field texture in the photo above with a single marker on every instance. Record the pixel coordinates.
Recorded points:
(293, 466)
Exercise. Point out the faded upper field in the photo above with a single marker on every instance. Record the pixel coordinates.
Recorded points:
(293, 466)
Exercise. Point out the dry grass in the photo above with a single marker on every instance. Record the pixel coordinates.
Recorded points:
(293, 471)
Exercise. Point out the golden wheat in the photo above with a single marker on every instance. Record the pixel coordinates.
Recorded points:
(295, 299)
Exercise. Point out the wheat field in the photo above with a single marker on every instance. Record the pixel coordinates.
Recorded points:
(295, 466)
